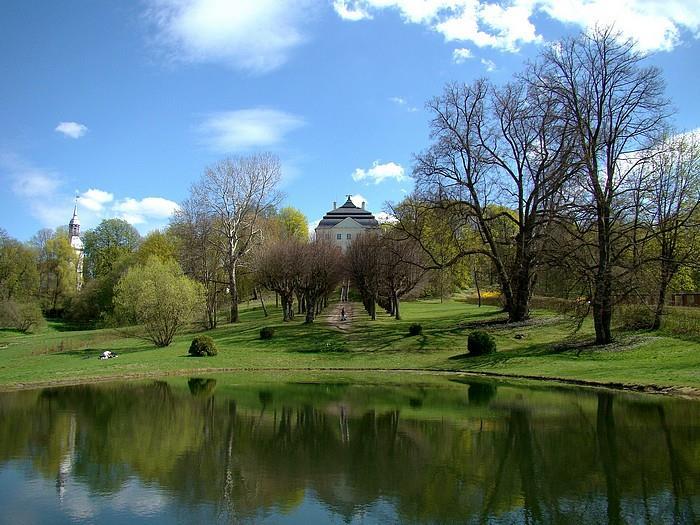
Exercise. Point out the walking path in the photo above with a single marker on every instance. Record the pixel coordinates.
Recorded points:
(335, 317)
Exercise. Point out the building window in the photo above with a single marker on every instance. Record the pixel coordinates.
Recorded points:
(349, 236)
(338, 236)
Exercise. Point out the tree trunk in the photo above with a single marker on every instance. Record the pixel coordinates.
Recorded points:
(233, 290)
(478, 290)
(397, 313)
(262, 302)
(310, 309)
(666, 275)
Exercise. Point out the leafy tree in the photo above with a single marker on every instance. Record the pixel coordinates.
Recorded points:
(19, 276)
(291, 223)
(159, 297)
(106, 245)
(56, 262)
(159, 244)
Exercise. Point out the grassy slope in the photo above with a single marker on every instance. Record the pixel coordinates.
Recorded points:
(383, 344)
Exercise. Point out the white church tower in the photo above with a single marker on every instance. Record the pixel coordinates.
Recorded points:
(77, 243)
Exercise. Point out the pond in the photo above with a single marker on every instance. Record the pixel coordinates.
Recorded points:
(328, 449)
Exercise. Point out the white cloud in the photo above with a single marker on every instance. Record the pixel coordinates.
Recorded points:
(490, 65)
(402, 102)
(358, 199)
(145, 210)
(461, 55)
(380, 172)
(94, 199)
(73, 130)
(350, 11)
(507, 25)
(385, 218)
(253, 36)
(248, 128)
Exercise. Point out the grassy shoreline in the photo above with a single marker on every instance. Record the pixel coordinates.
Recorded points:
(542, 350)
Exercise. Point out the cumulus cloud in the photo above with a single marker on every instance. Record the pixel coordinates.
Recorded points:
(73, 130)
(380, 172)
(348, 10)
(461, 55)
(94, 199)
(244, 129)
(385, 218)
(507, 25)
(490, 65)
(253, 36)
(141, 211)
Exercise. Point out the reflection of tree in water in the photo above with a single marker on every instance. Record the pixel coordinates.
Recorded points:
(571, 459)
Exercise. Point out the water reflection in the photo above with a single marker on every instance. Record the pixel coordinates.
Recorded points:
(207, 450)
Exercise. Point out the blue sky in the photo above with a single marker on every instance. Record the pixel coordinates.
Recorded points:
(126, 103)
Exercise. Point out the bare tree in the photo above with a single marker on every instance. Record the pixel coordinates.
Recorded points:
(363, 259)
(617, 107)
(236, 192)
(322, 272)
(279, 268)
(198, 253)
(496, 168)
(402, 269)
(675, 201)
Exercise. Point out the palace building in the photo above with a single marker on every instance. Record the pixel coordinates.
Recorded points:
(343, 224)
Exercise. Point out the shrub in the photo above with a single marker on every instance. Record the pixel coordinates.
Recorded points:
(481, 343)
(203, 345)
(25, 317)
(636, 317)
(266, 332)
(415, 329)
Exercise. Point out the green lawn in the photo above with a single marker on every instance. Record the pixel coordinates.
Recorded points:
(532, 350)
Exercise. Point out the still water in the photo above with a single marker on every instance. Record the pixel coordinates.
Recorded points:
(431, 450)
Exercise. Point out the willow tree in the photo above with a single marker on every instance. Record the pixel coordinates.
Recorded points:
(236, 193)
(615, 106)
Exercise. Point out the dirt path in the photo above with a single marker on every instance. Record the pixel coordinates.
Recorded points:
(335, 317)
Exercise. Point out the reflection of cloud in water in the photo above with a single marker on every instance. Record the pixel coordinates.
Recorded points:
(139, 499)
(134, 498)
(78, 503)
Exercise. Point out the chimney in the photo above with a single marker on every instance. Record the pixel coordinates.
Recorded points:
(334, 205)
(363, 205)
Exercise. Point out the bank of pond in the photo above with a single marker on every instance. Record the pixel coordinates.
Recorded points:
(340, 448)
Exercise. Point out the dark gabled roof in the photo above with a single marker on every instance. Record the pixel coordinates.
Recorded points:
(362, 216)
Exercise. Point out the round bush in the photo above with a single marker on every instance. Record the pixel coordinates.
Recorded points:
(481, 343)
(415, 329)
(266, 332)
(203, 345)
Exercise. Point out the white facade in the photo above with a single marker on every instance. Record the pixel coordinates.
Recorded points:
(342, 225)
